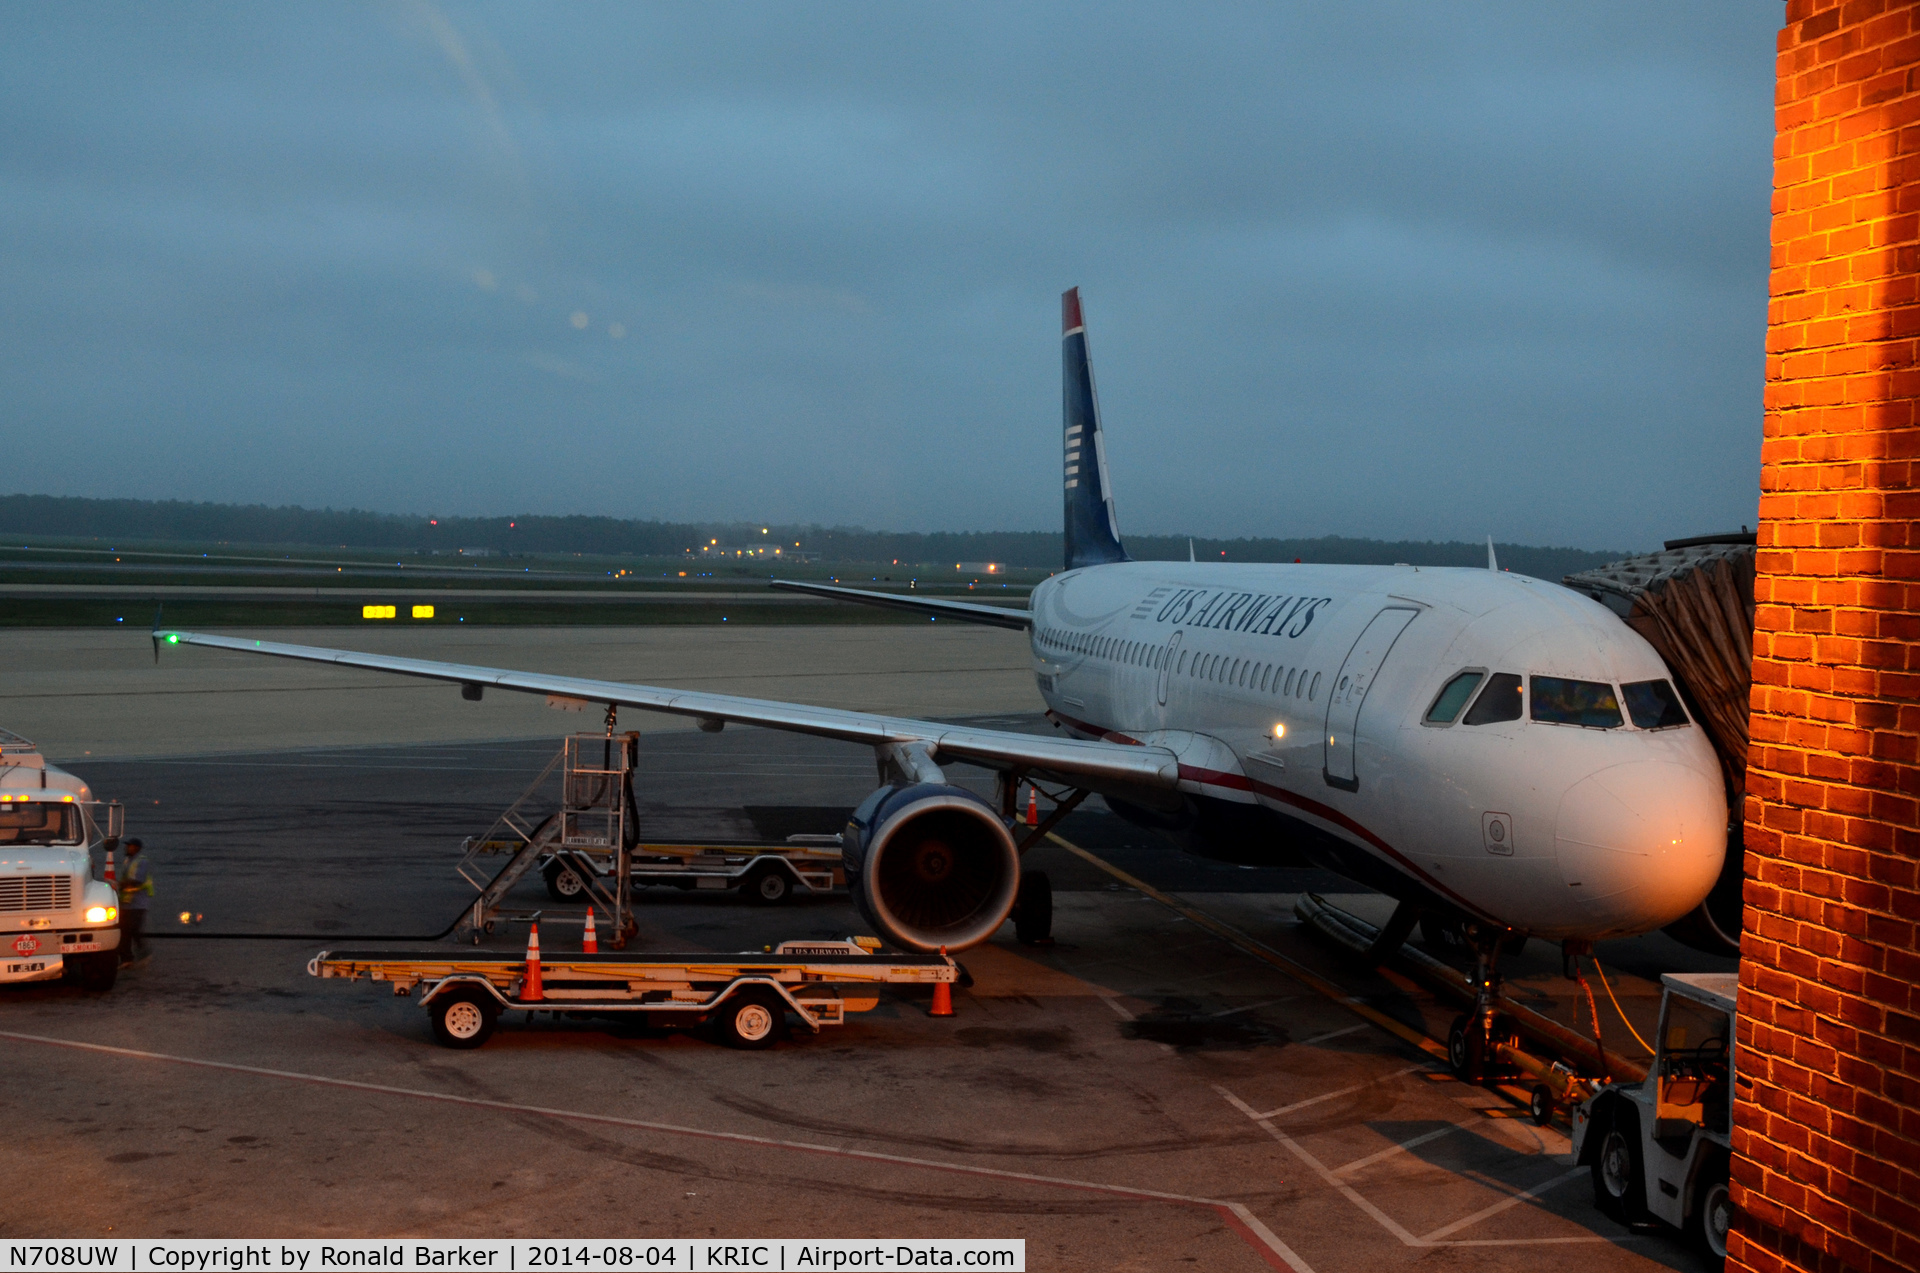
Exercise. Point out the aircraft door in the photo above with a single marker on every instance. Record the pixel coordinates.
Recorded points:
(1350, 691)
(1166, 666)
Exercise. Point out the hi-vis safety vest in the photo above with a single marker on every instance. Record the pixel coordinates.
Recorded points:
(129, 888)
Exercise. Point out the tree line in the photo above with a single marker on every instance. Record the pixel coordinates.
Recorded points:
(260, 524)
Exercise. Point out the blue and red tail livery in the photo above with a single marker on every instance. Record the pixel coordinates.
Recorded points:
(1093, 533)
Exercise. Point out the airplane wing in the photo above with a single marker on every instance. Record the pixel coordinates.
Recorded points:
(939, 607)
(1098, 764)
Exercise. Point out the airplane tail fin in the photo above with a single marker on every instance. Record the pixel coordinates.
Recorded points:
(1093, 534)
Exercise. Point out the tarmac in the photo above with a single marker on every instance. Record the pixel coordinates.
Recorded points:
(102, 693)
(1147, 1093)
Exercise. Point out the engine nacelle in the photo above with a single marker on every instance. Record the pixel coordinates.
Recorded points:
(930, 866)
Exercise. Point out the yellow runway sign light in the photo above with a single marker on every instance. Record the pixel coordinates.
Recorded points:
(378, 612)
(423, 612)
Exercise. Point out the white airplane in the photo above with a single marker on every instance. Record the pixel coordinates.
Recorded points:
(1483, 746)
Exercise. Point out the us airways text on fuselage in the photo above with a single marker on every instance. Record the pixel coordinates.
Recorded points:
(1257, 612)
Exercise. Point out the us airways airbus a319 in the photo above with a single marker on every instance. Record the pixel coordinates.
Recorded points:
(1485, 747)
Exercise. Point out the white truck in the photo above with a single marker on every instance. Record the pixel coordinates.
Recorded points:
(56, 919)
(1659, 1149)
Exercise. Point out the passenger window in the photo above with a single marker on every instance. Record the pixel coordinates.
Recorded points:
(1653, 705)
(1290, 675)
(1264, 669)
(1453, 697)
(1245, 668)
(1590, 704)
(1499, 701)
(1183, 662)
(1313, 692)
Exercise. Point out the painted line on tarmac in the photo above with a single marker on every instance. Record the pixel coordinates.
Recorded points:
(1332, 1034)
(1328, 1096)
(1361, 1164)
(1439, 1237)
(1265, 1243)
(1261, 951)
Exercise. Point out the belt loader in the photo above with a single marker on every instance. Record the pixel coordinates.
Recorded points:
(744, 996)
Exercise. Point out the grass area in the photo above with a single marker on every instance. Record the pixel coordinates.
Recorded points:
(143, 561)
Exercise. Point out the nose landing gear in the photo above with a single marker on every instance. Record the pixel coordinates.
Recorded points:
(1475, 1034)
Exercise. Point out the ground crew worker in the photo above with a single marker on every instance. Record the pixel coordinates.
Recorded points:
(136, 891)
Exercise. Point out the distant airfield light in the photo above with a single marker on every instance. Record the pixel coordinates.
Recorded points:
(579, 320)
(1280, 730)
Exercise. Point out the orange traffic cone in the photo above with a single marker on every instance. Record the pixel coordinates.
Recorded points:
(1033, 808)
(110, 877)
(591, 941)
(530, 984)
(942, 995)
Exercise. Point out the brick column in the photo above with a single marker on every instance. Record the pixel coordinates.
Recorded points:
(1826, 1170)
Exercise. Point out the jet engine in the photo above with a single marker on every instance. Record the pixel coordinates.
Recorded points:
(930, 865)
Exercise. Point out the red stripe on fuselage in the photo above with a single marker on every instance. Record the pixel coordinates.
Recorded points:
(1326, 813)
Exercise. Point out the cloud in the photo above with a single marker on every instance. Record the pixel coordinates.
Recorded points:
(1385, 269)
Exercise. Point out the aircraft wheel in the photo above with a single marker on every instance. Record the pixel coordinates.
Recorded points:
(1458, 1053)
(769, 886)
(751, 1020)
(1712, 1216)
(463, 1018)
(1033, 909)
(1619, 1180)
(1540, 1105)
(563, 883)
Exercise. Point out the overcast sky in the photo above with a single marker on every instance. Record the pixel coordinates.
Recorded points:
(1398, 270)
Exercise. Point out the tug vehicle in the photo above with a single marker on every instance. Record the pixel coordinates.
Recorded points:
(56, 920)
(1659, 1149)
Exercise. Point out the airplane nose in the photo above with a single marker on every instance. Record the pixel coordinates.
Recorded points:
(1640, 844)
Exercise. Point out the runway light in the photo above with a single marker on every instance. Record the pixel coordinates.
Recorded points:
(1280, 730)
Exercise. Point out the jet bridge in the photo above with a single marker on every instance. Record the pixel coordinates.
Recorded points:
(1693, 602)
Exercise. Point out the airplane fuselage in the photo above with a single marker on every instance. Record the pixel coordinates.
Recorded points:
(1336, 710)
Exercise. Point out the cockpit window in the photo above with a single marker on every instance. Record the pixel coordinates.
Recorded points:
(1454, 697)
(38, 822)
(1559, 701)
(1653, 705)
(1499, 701)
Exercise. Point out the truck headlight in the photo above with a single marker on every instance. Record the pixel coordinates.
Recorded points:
(102, 914)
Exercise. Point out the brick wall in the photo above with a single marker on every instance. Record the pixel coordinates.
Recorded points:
(1826, 1164)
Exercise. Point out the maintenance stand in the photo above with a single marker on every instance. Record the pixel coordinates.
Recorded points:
(589, 849)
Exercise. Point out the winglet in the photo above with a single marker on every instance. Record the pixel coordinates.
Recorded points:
(155, 634)
(1493, 563)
